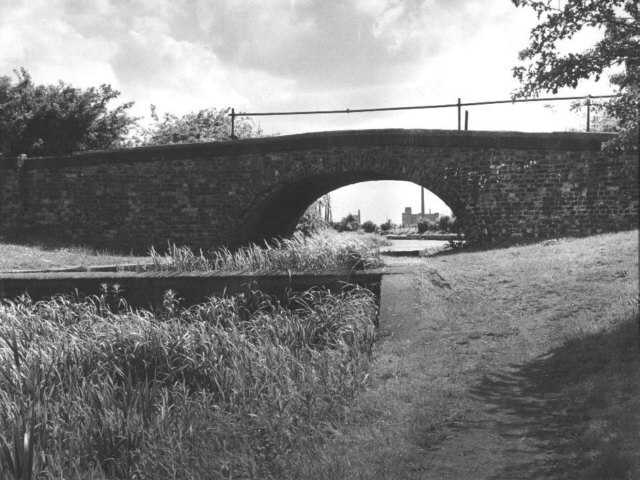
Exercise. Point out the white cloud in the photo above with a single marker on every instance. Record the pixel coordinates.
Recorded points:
(34, 36)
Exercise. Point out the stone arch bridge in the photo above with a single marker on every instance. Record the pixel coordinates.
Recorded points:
(499, 184)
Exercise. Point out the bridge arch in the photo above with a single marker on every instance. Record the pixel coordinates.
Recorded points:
(277, 210)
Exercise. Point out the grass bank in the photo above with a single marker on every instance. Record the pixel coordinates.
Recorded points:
(521, 362)
(226, 389)
(40, 257)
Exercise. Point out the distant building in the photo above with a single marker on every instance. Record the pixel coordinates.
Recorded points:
(411, 219)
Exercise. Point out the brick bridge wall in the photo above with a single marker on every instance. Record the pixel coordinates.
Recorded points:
(500, 184)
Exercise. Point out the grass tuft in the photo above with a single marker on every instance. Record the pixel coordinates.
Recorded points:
(323, 252)
(225, 388)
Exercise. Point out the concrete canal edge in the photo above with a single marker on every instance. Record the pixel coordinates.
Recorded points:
(146, 290)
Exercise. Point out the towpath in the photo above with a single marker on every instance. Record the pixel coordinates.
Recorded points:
(473, 377)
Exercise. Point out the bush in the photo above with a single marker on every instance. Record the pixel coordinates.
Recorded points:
(369, 227)
(445, 224)
(386, 226)
(310, 223)
(349, 223)
(208, 125)
(58, 119)
(458, 244)
(426, 226)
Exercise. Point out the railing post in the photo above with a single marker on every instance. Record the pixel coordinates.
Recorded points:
(459, 114)
(22, 193)
(588, 113)
(233, 123)
(466, 119)
(20, 159)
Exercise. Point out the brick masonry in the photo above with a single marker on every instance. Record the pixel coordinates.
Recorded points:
(500, 184)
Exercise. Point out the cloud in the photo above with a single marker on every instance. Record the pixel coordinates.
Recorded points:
(320, 44)
(126, 44)
(311, 45)
(277, 55)
(34, 36)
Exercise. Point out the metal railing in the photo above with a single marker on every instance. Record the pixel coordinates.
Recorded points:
(457, 105)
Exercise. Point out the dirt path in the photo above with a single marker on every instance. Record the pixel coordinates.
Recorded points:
(481, 437)
(473, 378)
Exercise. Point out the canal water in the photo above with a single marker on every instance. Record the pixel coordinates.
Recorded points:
(431, 246)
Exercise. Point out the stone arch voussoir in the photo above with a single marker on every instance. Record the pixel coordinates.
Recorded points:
(276, 207)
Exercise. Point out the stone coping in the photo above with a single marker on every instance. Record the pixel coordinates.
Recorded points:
(326, 140)
(148, 290)
(107, 275)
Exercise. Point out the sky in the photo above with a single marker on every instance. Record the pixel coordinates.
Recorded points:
(287, 55)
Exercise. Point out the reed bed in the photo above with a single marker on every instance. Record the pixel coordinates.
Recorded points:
(225, 389)
(323, 252)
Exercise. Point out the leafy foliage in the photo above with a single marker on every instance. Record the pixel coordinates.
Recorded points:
(369, 227)
(312, 220)
(423, 225)
(600, 119)
(445, 224)
(387, 226)
(349, 223)
(57, 119)
(208, 125)
(547, 68)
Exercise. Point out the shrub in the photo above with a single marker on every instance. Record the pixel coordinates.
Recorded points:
(445, 224)
(458, 244)
(387, 226)
(59, 118)
(310, 223)
(426, 225)
(369, 227)
(347, 224)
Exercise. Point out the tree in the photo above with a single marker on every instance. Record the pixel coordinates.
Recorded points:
(57, 119)
(547, 68)
(208, 125)
(423, 225)
(312, 220)
(445, 224)
(347, 224)
(600, 119)
(369, 227)
(387, 226)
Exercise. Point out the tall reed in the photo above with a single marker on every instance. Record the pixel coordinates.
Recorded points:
(227, 388)
(324, 252)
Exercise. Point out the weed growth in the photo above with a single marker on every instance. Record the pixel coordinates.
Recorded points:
(324, 252)
(224, 389)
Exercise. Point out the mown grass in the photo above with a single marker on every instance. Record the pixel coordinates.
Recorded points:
(40, 257)
(598, 398)
(227, 389)
(326, 251)
(521, 362)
